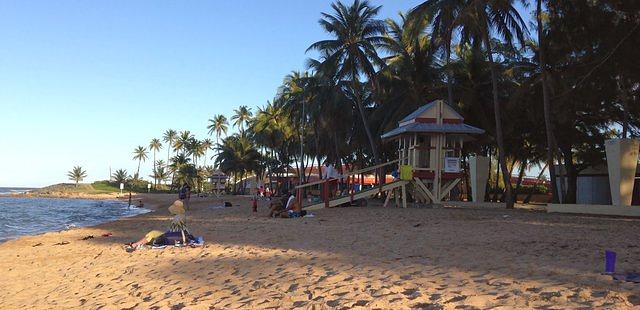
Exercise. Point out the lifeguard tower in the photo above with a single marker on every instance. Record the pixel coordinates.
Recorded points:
(429, 150)
(430, 147)
(218, 181)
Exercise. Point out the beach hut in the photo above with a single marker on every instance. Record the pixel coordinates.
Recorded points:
(429, 143)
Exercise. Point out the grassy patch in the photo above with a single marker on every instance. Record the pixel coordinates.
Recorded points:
(104, 187)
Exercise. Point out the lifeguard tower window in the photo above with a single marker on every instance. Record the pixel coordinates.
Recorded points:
(424, 159)
(453, 146)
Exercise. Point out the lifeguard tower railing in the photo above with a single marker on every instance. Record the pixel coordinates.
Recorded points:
(335, 192)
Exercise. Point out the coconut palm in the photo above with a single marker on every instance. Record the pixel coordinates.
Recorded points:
(182, 142)
(551, 144)
(356, 33)
(241, 117)
(442, 15)
(155, 146)
(160, 174)
(477, 20)
(218, 125)
(120, 176)
(77, 174)
(139, 154)
(206, 145)
(238, 156)
(412, 75)
(196, 150)
(169, 137)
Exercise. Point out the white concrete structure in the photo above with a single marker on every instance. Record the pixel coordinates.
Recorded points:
(622, 161)
(479, 173)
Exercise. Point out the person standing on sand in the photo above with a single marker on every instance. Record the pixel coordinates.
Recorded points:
(185, 195)
(330, 173)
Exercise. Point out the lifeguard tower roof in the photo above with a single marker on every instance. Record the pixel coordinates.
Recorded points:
(434, 117)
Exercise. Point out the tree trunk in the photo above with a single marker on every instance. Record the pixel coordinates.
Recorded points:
(625, 108)
(449, 73)
(571, 175)
(551, 145)
(138, 171)
(365, 123)
(497, 113)
(155, 180)
(496, 190)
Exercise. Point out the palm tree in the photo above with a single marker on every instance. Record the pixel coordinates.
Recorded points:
(77, 174)
(182, 142)
(443, 15)
(120, 176)
(155, 146)
(477, 19)
(238, 156)
(356, 34)
(411, 75)
(218, 125)
(206, 145)
(196, 150)
(241, 117)
(551, 144)
(169, 137)
(160, 174)
(139, 154)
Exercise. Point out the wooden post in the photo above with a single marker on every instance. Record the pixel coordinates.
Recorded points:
(325, 194)
(404, 196)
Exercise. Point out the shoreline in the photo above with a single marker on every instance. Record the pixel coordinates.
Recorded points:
(369, 257)
(63, 195)
(150, 207)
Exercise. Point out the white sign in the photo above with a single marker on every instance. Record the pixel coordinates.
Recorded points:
(121, 186)
(452, 164)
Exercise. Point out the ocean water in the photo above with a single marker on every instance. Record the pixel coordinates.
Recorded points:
(28, 216)
(4, 191)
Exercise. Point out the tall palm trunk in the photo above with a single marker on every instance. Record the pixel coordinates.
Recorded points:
(168, 152)
(155, 180)
(499, 138)
(365, 123)
(217, 143)
(449, 73)
(551, 145)
(138, 171)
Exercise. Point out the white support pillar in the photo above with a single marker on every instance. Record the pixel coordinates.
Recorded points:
(479, 170)
(439, 166)
(622, 161)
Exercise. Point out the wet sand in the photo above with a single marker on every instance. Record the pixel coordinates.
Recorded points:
(344, 257)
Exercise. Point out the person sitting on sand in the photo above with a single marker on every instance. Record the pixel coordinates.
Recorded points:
(179, 221)
(278, 207)
(177, 233)
(140, 204)
(292, 209)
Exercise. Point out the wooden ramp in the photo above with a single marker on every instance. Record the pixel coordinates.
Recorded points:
(359, 195)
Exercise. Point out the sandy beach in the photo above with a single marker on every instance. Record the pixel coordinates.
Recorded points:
(371, 258)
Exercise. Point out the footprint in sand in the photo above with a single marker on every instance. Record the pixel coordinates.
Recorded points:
(428, 306)
(456, 299)
(411, 293)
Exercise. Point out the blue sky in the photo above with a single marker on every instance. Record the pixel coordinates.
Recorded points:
(85, 82)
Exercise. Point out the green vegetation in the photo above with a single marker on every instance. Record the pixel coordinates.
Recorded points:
(548, 94)
(77, 174)
(106, 187)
